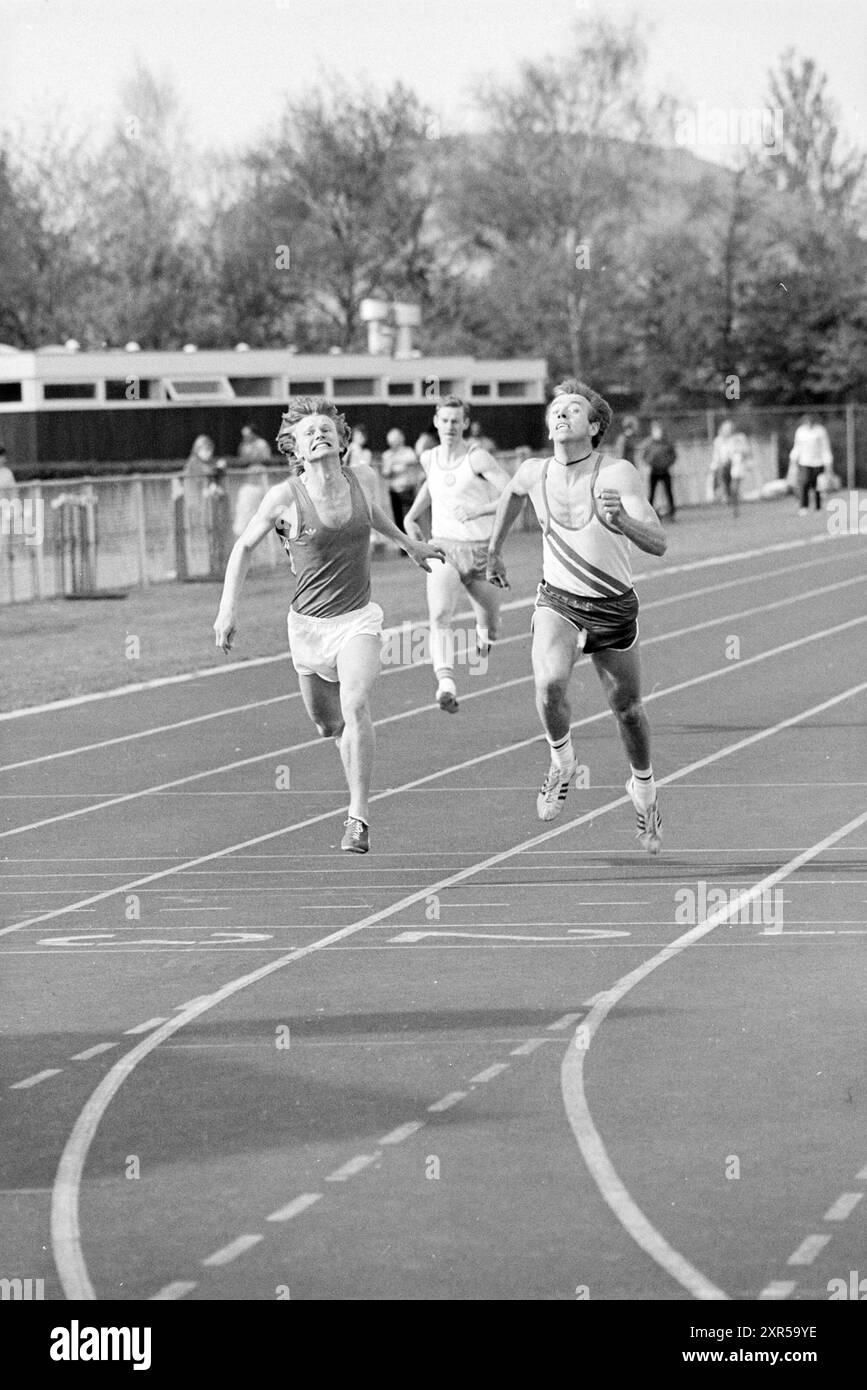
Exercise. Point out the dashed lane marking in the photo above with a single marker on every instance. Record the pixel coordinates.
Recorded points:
(145, 1027)
(397, 1136)
(35, 1079)
(92, 1052)
(489, 1073)
(808, 1250)
(779, 1289)
(232, 1251)
(179, 1289)
(295, 1207)
(354, 1165)
(446, 1102)
(843, 1207)
(530, 1046)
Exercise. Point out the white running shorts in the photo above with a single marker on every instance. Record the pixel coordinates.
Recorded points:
(315, 642)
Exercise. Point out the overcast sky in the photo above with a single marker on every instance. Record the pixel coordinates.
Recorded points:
(235, 60)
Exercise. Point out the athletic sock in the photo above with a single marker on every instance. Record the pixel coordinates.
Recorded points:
(446, 681)
(644, 787)
(562, 752)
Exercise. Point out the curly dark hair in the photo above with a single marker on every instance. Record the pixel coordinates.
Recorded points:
(297, 409)
(600, 411)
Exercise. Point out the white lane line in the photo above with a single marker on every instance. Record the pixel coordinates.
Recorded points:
(843, 1207)
(354, 1165)
(862, 1175)
(720, 671)
(146, 1026)
(529, 1046)
(231, 1251)
(589, 1139)
(179, 1289)
(565, 1022)
(779, 1289)
(92, 1052)
(426, 709)
(397, 1136)
(295, 1207)
(489, 1073)
(228, 668)
(35, 1079)
(65, 1230)
(446, 1102)
(808, 1250)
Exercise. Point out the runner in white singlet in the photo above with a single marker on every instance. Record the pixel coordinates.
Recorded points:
(590, 507)
(462, 488)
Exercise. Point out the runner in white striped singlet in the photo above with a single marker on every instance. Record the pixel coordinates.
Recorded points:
(462, 488)
(323, 516)
(590, 506)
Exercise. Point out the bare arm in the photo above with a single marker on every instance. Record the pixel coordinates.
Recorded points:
(626, 509)
(418, 551)
(418, 508)
(507, 512)
(277, 501)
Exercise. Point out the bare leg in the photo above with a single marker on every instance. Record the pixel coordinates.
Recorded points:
(322, 702)
(620, 673)
(485, 602)
(555, 648)
(443, 591)
(358, 667)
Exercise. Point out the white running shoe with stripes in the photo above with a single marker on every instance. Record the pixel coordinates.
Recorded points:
(549, 802)
(648, 822)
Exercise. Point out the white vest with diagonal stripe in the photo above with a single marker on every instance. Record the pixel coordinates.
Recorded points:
(591, 559)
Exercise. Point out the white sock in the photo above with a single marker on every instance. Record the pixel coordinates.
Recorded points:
(445, 683)
(562, 752)
(644, 787)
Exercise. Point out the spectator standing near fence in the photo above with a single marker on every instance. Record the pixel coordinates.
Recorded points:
(659, 455)
(358, 453)
(626, 444)
(7, 477)
(811, 454)
(250, 495)
(253, 448)
(481, 440)
(403, 473)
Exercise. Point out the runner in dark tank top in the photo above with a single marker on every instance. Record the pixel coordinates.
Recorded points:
(324, 515)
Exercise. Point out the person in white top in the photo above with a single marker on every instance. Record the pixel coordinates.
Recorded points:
(462, 488)
(811, 453)
(590, 506)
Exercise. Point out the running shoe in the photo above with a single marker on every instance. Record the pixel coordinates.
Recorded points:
(648, 822)
(356, 838)
(549, 802)
(448, 701)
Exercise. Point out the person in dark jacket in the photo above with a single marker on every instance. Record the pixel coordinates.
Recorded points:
(659, 455)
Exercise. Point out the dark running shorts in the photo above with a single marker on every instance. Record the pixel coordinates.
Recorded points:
(602, 623)
(469, 558)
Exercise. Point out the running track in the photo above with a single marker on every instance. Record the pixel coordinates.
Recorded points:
(494, 1059)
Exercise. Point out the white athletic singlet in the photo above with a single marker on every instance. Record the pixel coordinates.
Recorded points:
(457, 483)
(590, 559)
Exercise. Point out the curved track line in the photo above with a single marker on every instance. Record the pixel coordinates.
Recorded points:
(431, 776)
(593, 1151)
(419, 709)
(65, 1221)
